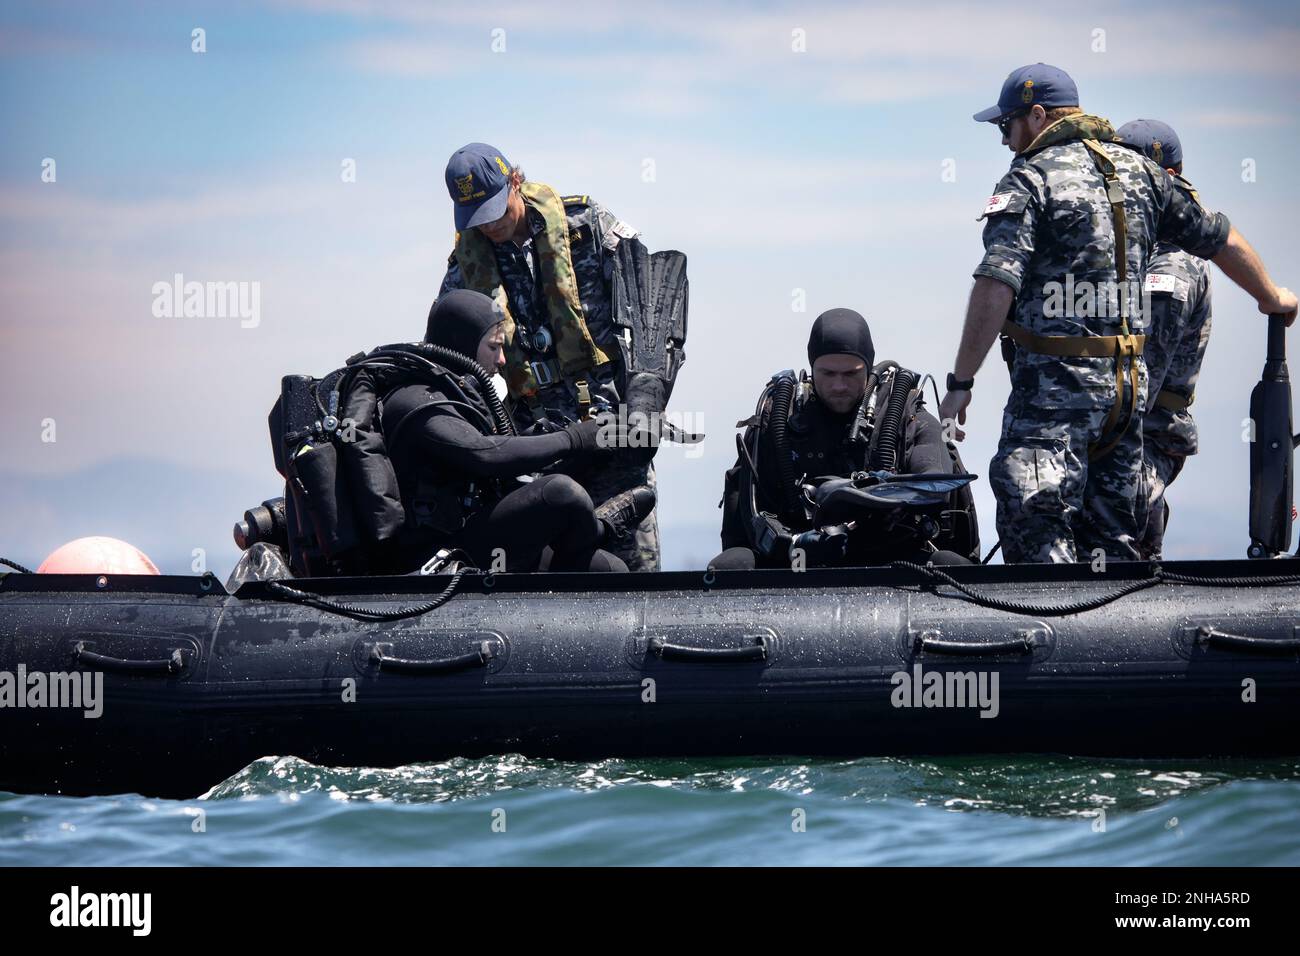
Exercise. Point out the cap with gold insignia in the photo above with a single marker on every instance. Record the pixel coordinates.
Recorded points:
(1156, 139)
(478, 179)
(1035, 85)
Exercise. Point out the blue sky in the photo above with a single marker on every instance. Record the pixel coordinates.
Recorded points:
(774, 170)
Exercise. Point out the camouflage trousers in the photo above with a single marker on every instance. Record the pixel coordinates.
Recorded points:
(1161, 470)
(639, 550)
(1053, 504)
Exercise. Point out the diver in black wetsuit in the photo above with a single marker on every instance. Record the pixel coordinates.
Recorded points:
(763, 517)
(457, 478)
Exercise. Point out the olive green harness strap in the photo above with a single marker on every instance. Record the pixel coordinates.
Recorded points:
(1112, 418)
(1115, 196)
(1075, 346)
(1119, 347)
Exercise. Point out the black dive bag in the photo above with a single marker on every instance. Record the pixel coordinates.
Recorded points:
(343, 507)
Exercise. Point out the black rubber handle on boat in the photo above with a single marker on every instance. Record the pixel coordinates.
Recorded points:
(1240, 642)
(479, 657)
(667, 651)
(1024, 644)
(174, 664)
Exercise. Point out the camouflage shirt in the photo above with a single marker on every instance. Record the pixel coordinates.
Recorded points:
(1049, 234)
(1179, 286)
(593, 233)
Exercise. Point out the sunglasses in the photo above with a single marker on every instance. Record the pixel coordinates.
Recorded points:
(1004, 124)
(500, 220)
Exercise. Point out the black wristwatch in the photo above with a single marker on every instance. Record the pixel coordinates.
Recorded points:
(955, 385)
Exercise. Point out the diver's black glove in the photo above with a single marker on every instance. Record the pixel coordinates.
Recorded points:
(823, 546)
(608, 434)
(638, 438)
(584, 436)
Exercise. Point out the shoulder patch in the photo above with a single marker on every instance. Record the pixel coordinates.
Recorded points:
(1187, 187)
(616, 234)
(1165, 284)
(575, 200)
(1000, 203)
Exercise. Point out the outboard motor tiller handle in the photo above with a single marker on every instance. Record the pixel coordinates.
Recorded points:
(1271, 451)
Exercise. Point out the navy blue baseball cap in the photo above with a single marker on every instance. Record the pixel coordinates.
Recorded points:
(1156, 139)
(478, 179)
(1034, 85)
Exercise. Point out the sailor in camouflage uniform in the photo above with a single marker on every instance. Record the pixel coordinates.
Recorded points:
(1068, 472)
(545, 260)
(1178, 286)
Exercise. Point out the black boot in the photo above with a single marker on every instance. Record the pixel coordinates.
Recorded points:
(620, 515)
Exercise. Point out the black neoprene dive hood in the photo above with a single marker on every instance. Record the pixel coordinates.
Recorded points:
(841, 332)
(459, 319)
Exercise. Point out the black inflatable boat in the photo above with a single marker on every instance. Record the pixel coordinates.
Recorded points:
(167, 685)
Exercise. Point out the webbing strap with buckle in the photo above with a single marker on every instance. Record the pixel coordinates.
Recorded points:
(545, 372)
(1098, 450)
(1075, 346)
(1118, 347)
(584, 398)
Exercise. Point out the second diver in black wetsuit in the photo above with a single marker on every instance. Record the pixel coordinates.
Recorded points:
(820, 430)
(458, 479)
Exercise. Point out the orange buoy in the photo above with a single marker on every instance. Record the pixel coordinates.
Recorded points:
(97, 555)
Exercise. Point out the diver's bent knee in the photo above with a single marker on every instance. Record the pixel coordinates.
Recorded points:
(563, 493)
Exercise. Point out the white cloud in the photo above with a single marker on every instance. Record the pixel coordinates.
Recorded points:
(66, 212)
(409, 57)
(904, 47)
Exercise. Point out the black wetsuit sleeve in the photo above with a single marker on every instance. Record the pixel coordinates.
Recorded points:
(461, 446)
(927, 452)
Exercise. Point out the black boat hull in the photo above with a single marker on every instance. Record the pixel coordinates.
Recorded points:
(676, 664)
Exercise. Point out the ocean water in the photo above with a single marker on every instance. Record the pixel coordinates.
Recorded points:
(516, 810)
